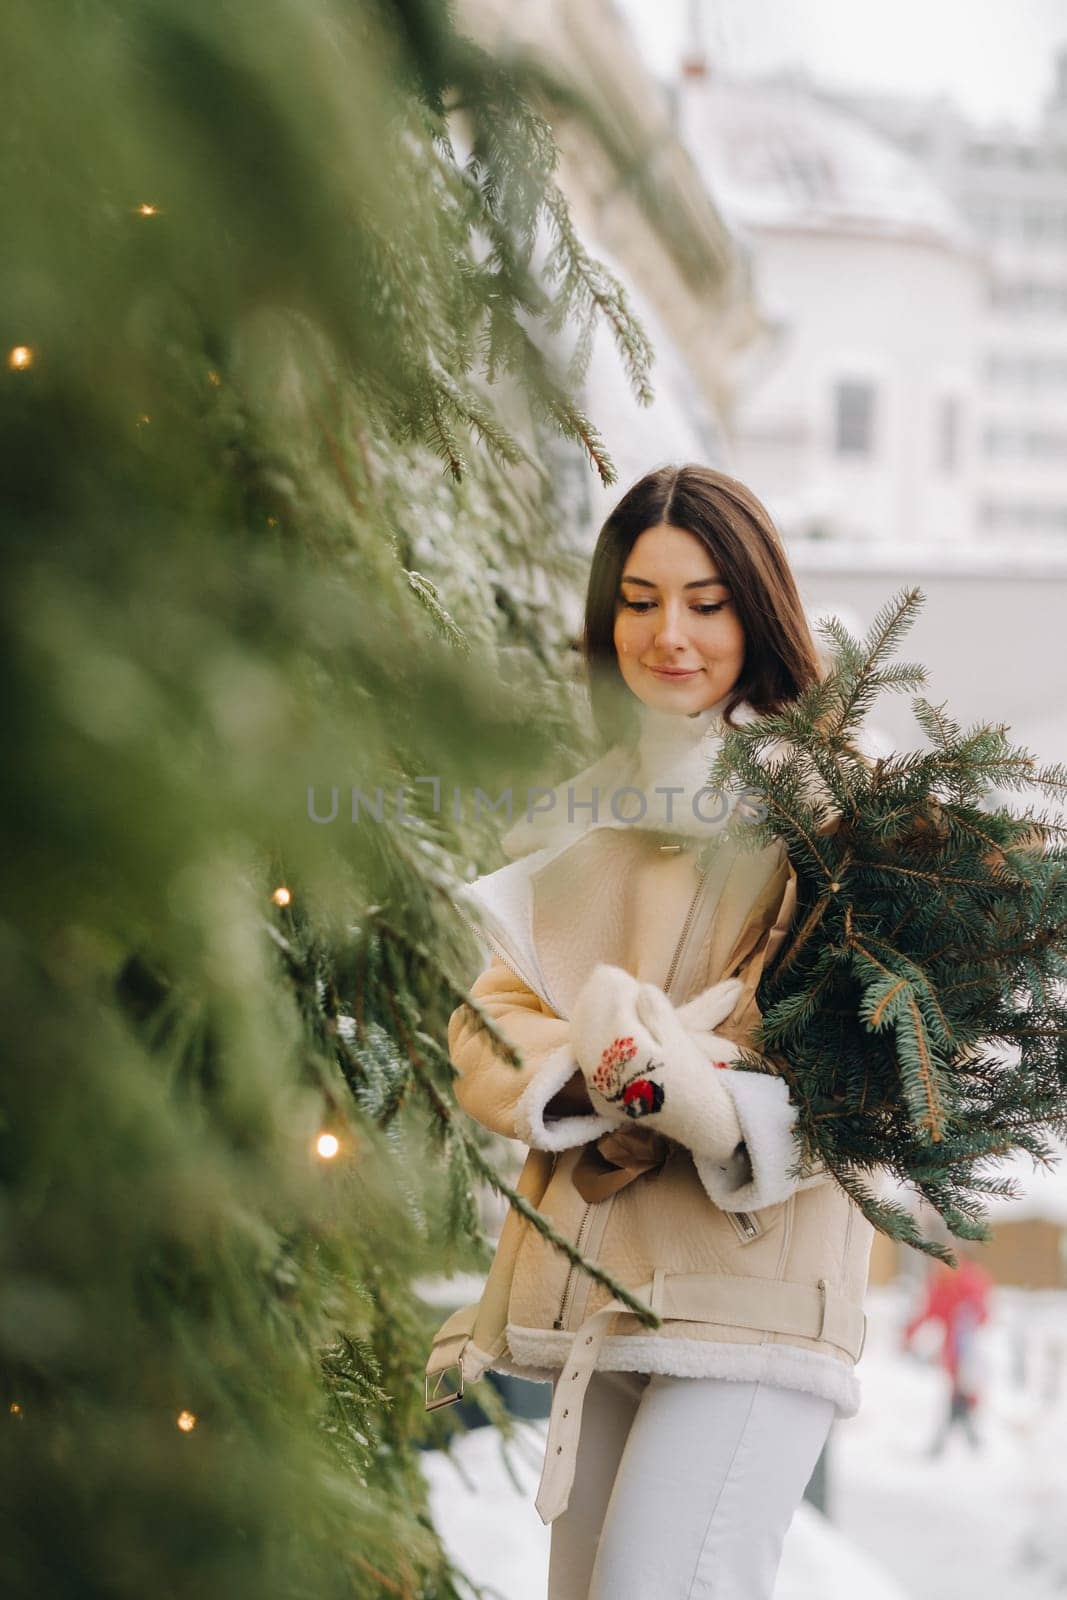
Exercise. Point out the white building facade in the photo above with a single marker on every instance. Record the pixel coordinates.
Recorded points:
(861, 425)
(1012, 186)
(639, 204)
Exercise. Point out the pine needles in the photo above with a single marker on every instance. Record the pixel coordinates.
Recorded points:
(917, 1010)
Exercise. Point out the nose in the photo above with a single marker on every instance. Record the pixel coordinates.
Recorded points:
(671, 633)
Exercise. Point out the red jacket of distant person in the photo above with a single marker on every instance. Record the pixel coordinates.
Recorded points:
(958, 1298)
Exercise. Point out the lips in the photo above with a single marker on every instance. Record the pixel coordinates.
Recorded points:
(671, 672)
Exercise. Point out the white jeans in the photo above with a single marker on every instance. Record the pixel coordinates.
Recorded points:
(684, 1488)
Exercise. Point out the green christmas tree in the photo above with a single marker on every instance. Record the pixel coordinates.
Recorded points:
(917, 1007)
(280, 385)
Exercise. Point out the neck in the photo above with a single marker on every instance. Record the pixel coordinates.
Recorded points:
(676, 750)
(676, 730)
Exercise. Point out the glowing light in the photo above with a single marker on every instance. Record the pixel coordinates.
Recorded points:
(281, 896)
(143, 420)
(327, 1145)
(186, 1421)
(20, 358)
(15, 1409)
(145, 210)
(214, 379)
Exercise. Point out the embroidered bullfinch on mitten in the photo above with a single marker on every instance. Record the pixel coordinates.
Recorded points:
(643, 1058)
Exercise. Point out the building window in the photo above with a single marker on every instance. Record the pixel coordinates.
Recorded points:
(948, 434)
(998, 440)
(854, 418)
(1024, 515)
(1026, 370)
(1028, 296)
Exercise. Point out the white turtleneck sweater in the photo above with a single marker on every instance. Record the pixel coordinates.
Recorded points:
(675, 751)
(676, 746)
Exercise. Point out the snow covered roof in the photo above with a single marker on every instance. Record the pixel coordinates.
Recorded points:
(774, 154)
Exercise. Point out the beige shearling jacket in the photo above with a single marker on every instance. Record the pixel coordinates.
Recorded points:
(756, 1271)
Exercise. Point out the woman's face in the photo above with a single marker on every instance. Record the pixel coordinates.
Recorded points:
(679, 643)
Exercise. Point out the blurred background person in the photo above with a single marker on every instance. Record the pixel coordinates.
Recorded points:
(958, 1299)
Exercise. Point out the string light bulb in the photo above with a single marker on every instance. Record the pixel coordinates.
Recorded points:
(281, 896)
(145, 210)
(15, 1409)
(327, 1145)
(20, 357)
(186, 1421)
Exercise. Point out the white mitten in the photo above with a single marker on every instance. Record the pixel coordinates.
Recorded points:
(642, 1058)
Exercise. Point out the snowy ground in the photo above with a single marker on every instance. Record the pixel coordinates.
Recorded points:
(490, 1528)
(968, 1526)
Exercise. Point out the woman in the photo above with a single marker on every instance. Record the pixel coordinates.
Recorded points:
(624, 969)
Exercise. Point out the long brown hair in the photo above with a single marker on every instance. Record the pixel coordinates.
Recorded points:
(737, 531)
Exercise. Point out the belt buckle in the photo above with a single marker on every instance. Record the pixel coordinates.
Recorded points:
(435, 1401)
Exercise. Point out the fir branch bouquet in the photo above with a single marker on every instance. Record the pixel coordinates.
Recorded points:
(916, 1010)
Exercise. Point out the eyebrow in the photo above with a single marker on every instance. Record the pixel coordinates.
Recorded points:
(698, 583)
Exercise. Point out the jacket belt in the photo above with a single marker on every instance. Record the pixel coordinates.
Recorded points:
(451, 1340)
(762, 1304)
(454, 1346)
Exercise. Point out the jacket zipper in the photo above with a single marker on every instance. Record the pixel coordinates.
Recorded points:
(493, 944)
(684, 933)
(568, 1287)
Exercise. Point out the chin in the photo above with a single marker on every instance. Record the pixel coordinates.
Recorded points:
(688, 698)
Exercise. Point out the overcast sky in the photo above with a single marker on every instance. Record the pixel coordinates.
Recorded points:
(993, 57)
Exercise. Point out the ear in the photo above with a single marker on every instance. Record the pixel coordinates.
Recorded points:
(705, 1011)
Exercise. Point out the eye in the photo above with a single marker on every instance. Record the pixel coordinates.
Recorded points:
(707, 609)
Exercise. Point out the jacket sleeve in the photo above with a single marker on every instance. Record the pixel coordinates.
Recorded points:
(510, 1100)
(757, 1172)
